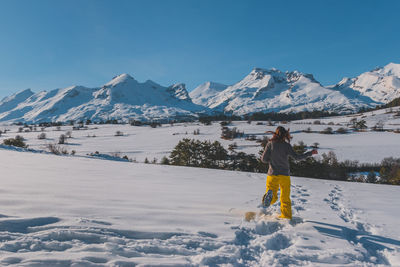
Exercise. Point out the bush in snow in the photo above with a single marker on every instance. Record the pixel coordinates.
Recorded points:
(155, 124)
(390, 171)
(378, 126)
(18, 141)
(315, 145)
(61, 139)
(371, 177)
(342, 130)
(119, 133)
(328, 130)
(229, 134)
(205, 120)
(41, 136)
(164, 161)
(358, 125)
(56, 149)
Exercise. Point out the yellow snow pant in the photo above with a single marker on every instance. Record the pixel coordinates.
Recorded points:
(282, 181)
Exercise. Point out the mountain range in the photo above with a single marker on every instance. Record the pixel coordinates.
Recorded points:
(262, 90)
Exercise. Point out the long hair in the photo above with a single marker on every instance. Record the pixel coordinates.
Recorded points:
(281, 135)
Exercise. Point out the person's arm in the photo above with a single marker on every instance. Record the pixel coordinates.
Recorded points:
(266, 156)
(296, 156)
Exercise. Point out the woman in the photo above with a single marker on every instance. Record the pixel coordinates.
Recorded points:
(276, 153)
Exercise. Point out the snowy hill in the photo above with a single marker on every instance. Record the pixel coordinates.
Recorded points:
(74, 211)
(380, 85)
(275, 91)
(121, 98)
(204, 92)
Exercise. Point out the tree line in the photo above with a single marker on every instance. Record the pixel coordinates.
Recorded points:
(207, 154)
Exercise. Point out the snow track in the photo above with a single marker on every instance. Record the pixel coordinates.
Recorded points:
(358, 233)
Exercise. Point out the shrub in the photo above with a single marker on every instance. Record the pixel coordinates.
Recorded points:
(390, 171)
(165, 160)
(328, 130)
(229, 134)
(358, 125)
(225, 123)
(56, 149)
(317, 122)
(155, 124)
(342, 130)
(251, 137)
(61, 139)
(371, 177)
(41, 136)
(378, 126)
(18, 141)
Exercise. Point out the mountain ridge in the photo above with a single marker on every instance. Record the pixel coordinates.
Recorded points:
(262, 90)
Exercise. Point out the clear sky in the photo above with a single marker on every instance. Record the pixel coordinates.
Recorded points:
(47, 44)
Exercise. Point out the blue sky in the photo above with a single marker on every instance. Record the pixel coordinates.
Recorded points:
(50, 44)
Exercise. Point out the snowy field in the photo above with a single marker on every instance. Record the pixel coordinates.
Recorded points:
(75, 211)
(141, 142)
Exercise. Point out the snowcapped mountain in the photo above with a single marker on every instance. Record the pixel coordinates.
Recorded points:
(381, 84)
(275, 91)
(260, 91)
(204, 92)
(121, 98)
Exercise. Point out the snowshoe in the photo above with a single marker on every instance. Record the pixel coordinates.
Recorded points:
(266, 200)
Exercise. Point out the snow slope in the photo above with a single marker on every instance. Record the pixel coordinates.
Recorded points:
(121, 98)
(63, 211)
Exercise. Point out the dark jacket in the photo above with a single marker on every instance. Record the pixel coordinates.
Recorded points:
(277, 153)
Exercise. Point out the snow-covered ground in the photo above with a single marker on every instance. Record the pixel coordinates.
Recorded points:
(141, 142)
(64, 210)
